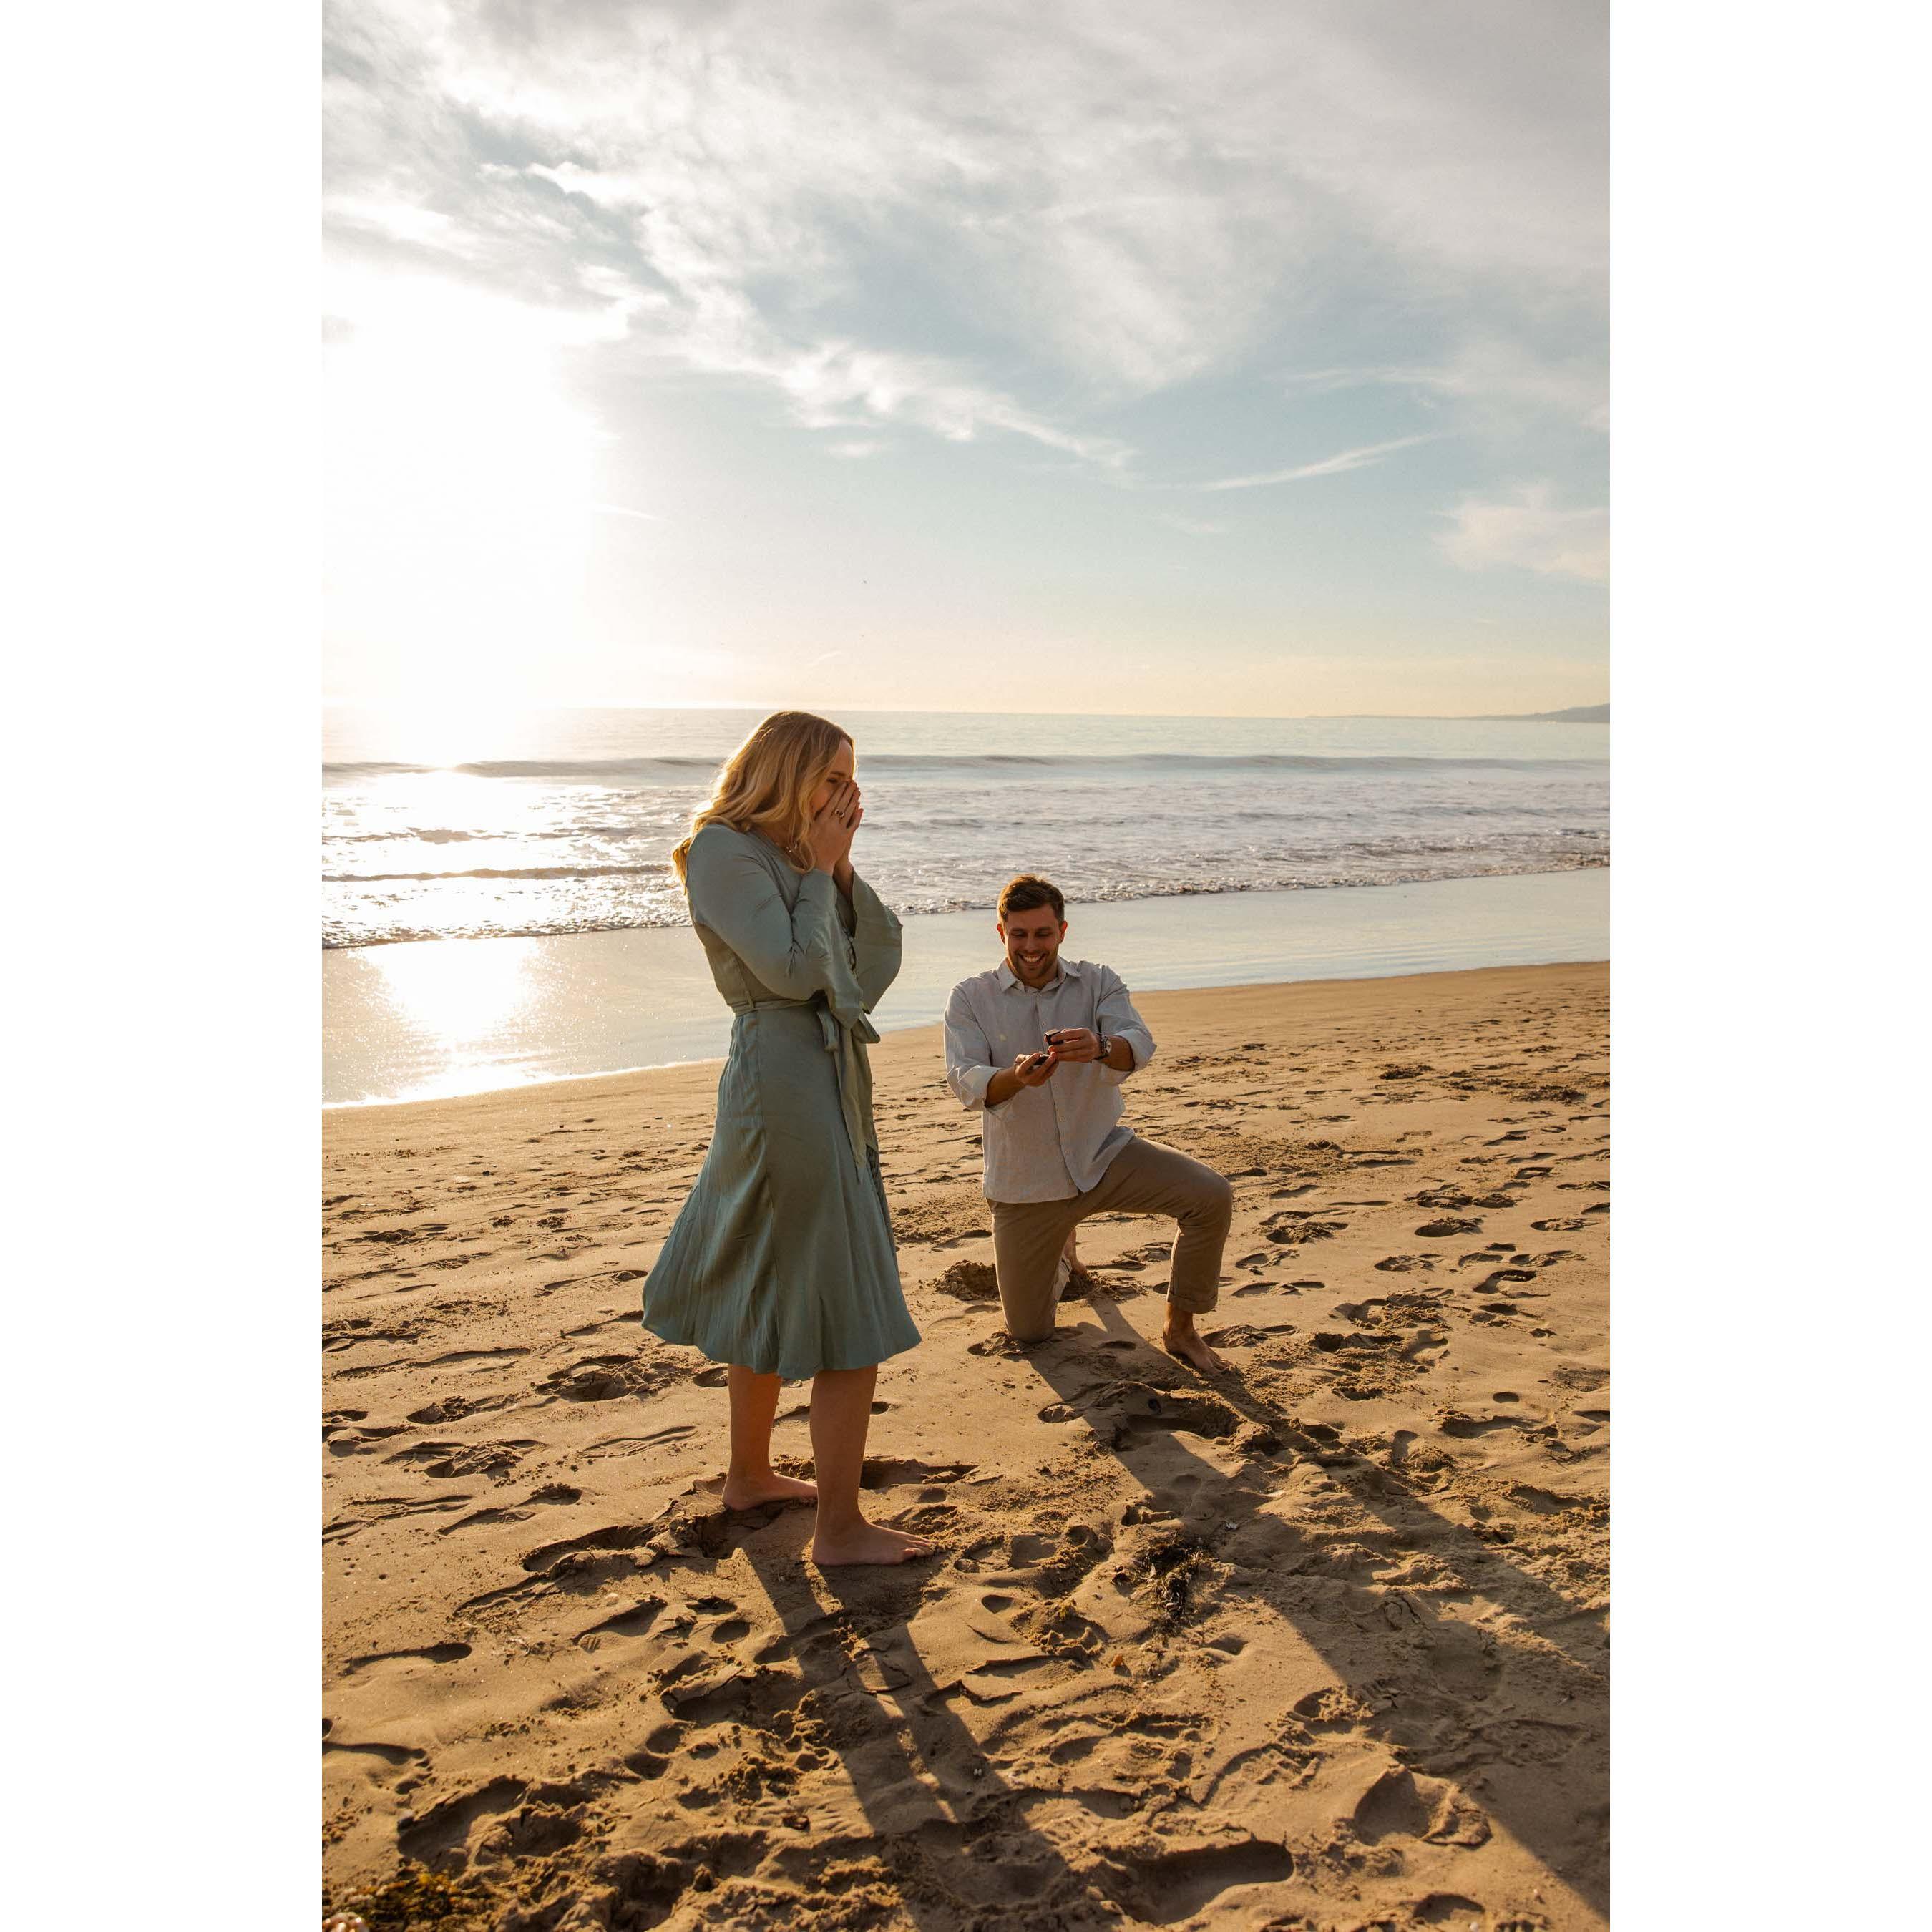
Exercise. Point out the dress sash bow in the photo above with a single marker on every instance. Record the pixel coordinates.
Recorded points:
(846, 1039)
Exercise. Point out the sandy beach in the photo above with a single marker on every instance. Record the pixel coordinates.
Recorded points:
(1319, 1642)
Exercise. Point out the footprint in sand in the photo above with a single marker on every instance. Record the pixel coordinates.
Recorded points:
(1580, 1375)
(372, 1510)
(1502, 1277)
(604, 1321)
(1166, 1887)
(889, 1472)
(1000, 1347)
(1293, 1227)
(552, 1494)
(1454, 1422)
(554, 1560)
(392, 1757)
(453, 1408)
(605, 1378)
(442, 1460)
(634, 1622)
(1247, 1335)
(342, 1439)
(638, 1443)
(434, 1653)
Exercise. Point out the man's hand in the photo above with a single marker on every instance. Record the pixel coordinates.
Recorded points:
(1028, 1069)
(1074, 1043)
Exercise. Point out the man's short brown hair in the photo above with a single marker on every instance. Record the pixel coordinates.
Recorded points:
(1028, 893)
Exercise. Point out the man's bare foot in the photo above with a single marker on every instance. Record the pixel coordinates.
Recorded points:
(866, 1543)
(742, 1493)
(1189, 1347)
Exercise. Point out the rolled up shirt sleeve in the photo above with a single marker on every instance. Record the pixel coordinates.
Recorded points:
(1118, 1020)
(969, 1060)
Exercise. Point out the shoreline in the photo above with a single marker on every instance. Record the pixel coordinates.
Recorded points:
(1322, 1638)
(955, 911)
(429, 1019)
(592, 1083)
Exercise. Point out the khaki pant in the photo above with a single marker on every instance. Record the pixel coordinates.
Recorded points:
(1143, 1178)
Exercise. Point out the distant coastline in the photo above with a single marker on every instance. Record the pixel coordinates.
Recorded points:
(1577, 714)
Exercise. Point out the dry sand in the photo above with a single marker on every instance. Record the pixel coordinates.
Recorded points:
(1318, 1643)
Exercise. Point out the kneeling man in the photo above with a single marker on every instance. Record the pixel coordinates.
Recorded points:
(1041, 1044)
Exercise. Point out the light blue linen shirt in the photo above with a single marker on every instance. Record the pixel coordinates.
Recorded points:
(1050, 1142)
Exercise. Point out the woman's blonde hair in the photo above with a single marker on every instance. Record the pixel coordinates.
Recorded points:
(766, 785)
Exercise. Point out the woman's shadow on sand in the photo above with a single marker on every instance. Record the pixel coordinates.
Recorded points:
(952, 1831)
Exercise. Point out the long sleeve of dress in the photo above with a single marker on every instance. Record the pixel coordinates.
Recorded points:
(796, 951)
(875, 942)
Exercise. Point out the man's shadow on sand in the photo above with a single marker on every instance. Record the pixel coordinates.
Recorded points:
(1438, 1730)
(956, 1833)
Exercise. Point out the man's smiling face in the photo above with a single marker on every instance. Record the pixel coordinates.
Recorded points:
(1032, 940)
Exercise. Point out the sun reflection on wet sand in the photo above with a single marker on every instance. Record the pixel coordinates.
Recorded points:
(460, 992)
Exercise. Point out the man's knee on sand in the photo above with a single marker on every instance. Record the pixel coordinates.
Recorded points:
(1215, 1209)
(1034, 1320)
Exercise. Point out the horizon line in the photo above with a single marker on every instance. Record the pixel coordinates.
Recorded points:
(926, 711)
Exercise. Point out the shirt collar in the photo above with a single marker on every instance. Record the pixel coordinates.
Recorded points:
(1009, 979)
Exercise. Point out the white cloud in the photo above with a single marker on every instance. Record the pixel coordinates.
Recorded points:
(400, 221)
(1504, 385)
(1527, 532)
(1091, 203)
(839, 383)
(1328, 466)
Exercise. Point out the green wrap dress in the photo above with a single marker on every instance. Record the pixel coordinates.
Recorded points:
(781, 1260)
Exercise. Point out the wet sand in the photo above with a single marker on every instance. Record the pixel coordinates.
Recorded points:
(1318, 1642)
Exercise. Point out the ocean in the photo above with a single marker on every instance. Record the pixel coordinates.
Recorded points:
(1250, 848)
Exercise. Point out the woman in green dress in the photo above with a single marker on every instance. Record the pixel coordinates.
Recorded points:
(782, 1263)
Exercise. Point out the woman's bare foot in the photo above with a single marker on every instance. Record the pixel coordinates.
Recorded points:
(1179, 1339)
(749, 1492)
(866, 1543)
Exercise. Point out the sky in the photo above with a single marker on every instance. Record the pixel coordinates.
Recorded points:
(1184, 356)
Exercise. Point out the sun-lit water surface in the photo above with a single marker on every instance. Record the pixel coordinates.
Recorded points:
(564, 822)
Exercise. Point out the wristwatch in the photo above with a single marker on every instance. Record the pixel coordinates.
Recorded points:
(1106, 1046)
